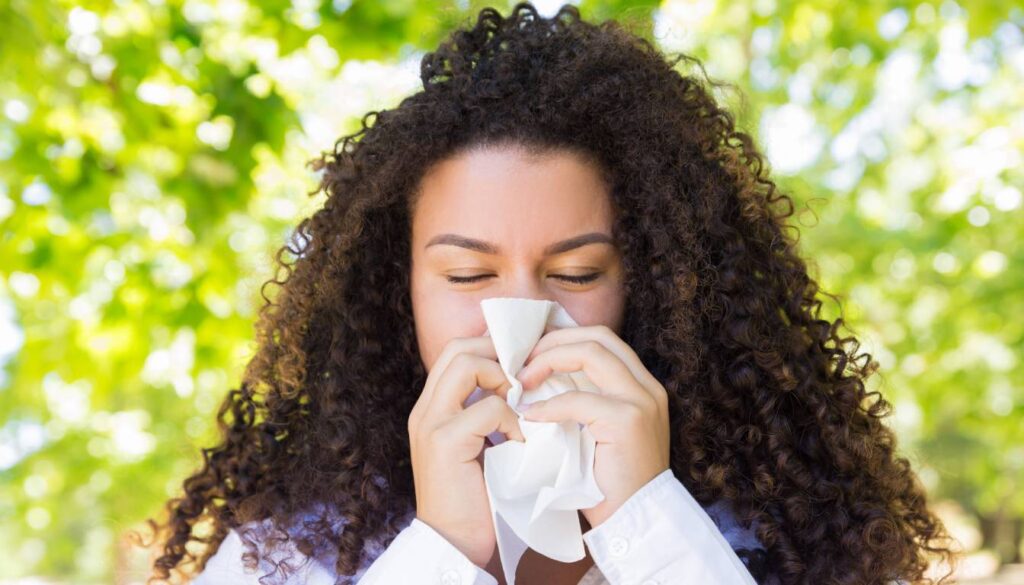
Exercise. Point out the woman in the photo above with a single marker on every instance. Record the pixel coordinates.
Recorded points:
(345, 442)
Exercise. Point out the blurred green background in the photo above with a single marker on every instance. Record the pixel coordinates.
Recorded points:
(152, 159)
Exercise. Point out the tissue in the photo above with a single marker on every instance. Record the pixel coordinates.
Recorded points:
(536, 487)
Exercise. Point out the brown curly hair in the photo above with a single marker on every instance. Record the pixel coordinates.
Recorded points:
(768, 406)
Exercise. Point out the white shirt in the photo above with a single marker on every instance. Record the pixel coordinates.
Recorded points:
(659, 536)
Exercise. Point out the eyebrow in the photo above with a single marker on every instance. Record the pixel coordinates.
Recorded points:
(491, 248)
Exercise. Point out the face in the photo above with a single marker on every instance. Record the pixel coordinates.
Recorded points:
(495, 223)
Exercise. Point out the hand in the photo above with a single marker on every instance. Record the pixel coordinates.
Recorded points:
(628, 418)
(446, 442)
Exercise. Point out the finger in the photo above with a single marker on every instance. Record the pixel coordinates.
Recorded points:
(463, 374)
(597, 411)
(601, 366)
(604, 335)
(481, 346)
(486, 416)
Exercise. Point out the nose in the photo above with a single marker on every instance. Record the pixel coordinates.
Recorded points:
(527, 284)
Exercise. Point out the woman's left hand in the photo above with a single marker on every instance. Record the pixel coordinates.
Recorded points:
(628, 418)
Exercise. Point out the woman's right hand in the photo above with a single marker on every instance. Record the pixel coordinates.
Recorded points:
(446, 441)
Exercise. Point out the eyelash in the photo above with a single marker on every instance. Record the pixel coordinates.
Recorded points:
(581, 279)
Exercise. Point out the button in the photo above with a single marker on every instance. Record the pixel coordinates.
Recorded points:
(450, 577)
(618, 546)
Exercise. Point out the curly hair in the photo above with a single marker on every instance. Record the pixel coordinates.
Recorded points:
(768, 405)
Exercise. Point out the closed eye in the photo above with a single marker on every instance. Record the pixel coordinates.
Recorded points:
(581, 279)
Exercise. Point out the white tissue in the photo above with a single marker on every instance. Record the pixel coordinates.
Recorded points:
(536, 487)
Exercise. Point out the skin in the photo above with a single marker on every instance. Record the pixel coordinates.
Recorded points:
(521, 206)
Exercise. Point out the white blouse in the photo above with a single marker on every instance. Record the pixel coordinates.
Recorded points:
(659, 536)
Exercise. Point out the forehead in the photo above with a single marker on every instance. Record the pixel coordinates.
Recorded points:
(495, 193)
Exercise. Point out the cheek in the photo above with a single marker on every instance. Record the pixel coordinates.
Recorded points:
(601, 308)
(441, 316)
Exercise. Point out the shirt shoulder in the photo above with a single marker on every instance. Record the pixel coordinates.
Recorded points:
(228, 564)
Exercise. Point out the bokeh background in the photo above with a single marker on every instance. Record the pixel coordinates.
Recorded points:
(152, 160)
